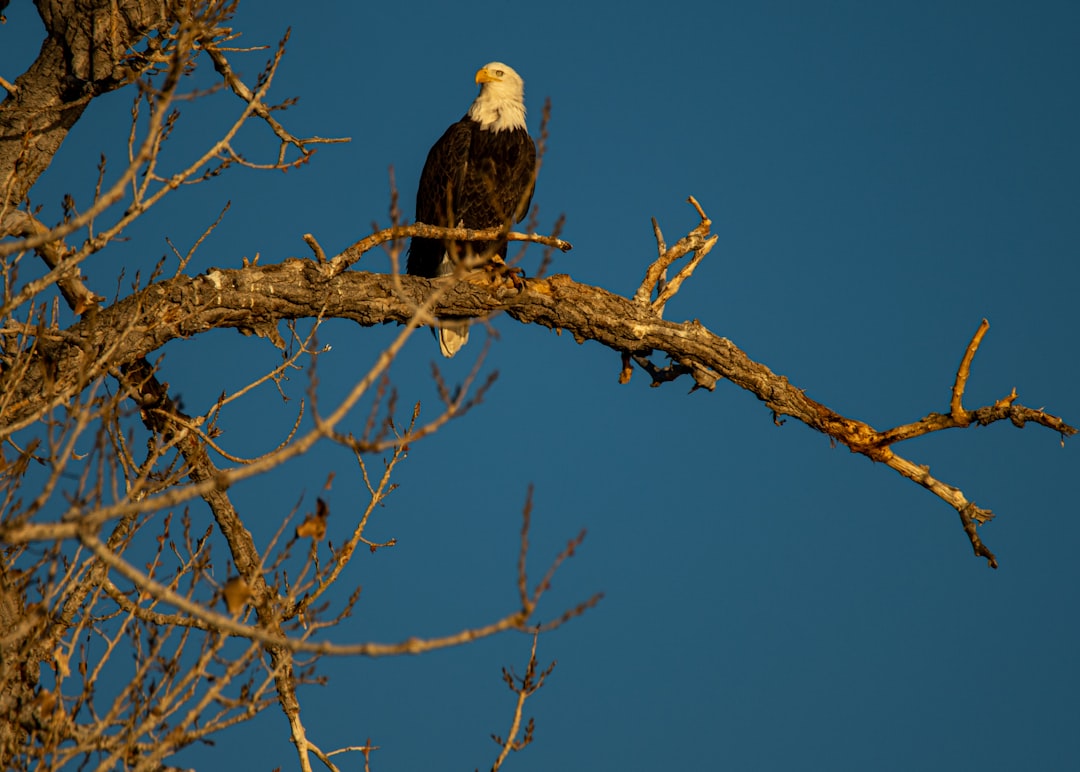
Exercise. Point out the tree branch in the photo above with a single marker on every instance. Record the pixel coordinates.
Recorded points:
(257, 296)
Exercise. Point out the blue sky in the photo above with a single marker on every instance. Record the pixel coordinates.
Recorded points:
(882, 176)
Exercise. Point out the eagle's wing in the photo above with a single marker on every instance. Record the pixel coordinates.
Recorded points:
(441, 185)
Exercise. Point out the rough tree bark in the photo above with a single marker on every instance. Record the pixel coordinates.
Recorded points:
(87, 52)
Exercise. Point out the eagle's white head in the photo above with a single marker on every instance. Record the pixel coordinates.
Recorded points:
(501, 102)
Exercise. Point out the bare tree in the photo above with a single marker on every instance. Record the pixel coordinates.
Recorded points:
(102, 544)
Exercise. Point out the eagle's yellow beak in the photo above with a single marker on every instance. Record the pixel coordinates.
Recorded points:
(484, 75)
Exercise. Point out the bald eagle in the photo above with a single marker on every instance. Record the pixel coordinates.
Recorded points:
(480, 174)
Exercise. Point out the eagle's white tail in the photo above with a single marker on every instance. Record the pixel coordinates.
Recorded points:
(452, 337)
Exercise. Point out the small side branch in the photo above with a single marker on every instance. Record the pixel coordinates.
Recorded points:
(956, 408)
(78, 296)
(698, 241)
(524, 687)
(971, 516)
(357, 250)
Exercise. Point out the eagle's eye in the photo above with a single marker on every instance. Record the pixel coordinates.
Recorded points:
(499, 73)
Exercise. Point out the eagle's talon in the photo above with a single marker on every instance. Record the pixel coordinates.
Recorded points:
(499, 270)
(517, 278)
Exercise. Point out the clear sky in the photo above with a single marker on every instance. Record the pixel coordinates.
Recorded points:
(882, 176)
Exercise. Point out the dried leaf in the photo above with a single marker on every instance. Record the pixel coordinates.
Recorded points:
(314, 524)
(60, 662)
(237, 593)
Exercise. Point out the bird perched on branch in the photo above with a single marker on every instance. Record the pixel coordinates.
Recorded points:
(480, 174)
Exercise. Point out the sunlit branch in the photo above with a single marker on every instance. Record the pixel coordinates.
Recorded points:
(357, 250)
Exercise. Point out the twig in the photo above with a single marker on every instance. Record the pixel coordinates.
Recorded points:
(969, 513)
(320, 255)
(228, 625)
(524, 687)
(956, 408)
(254, 100)
(357, 250)
(697, 240)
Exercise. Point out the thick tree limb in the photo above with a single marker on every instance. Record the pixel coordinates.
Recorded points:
(256, 297)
